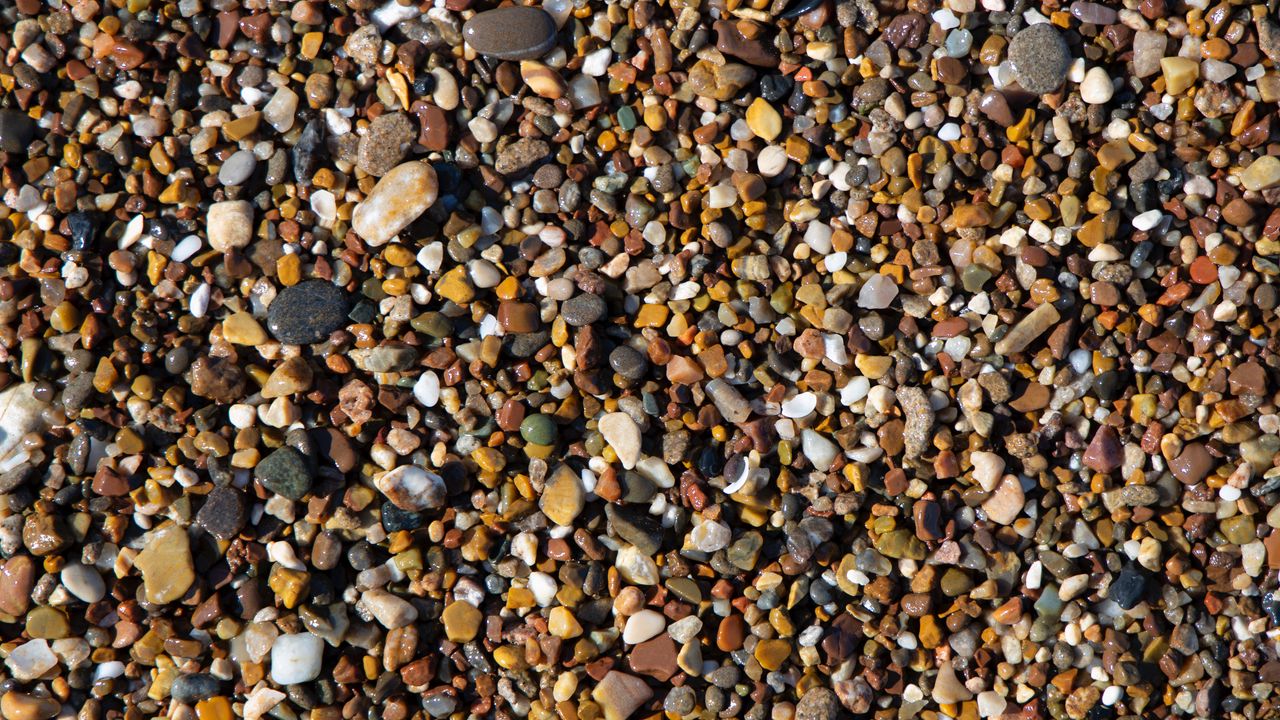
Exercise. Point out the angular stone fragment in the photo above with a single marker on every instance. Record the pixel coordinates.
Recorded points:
(563, 497)
(623, 435)
(165, 564)
(619, 695)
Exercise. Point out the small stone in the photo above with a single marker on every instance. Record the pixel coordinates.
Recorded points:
(284, 472)
(583, 309)
(84, 582)
(307, 312)
(562, 624)
(1028, 329)
(1179, 74)
(1127, 587)
(1105, 452)
(16, 705)
(412, 488)
(243, 329)
(947, 688)
(230, 225)
(16, 131)
(17, 577)
(988, 468)
(296, 658)
(194, 687)
(877, 293)
(763, 120)
(1006, 501)
(165, 564)
(292, 376)
(538, 429)
(1193, 464)
(516, 157)
(237, 169)
(623, 435)
(461, 621)
(385, 143)
(48, 623)
(390, 611)
(642, 626)
(563, 497)
(1040, 58)
(1096, 88)
(511, 33)
(217, 379)
(620, 695)
(21, 412)
(402, 195)
(223, 513)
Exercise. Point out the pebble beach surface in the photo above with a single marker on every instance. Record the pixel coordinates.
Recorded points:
(763, 359)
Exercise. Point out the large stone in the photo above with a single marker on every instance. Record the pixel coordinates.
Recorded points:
(511, 33)
(1040, 58)
(296, 658)
(307, 312)
(165, 564)
(399, 198)
(623, 435)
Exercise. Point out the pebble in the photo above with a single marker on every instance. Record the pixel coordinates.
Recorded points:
(296, 658)
(84, 582)
(402, 195)
(1040, 58)
(412, 488)
(285, 472)
(623, 435)
(511, 33)
(229, 225)
(166, 565)
(307, 312)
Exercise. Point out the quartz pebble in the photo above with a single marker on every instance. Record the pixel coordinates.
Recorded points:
(399, 198)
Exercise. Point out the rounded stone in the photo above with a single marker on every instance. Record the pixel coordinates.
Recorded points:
(307, 312)
(583, 309)
(284, 472)
(1040, 58)
(538, 429)
(511, 33)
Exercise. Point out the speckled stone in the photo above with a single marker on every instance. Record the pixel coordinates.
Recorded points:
(1040, 58)
(307, 312)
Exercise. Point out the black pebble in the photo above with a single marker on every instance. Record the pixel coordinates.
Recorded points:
(1127, 588)
(307, 312)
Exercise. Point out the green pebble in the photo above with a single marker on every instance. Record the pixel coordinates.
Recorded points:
(627, 118)
(538, 429)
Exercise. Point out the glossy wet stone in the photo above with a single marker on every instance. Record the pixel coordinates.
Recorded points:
(307, 312)
(511, 33)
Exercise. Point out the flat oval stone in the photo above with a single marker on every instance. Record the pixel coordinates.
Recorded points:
(399, 198)
(511, 33)
(307, 312)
